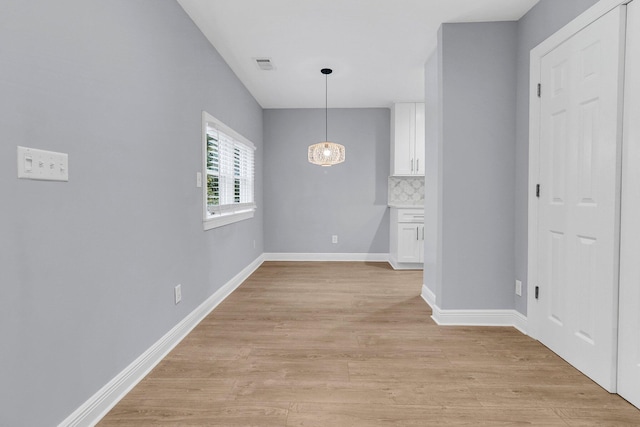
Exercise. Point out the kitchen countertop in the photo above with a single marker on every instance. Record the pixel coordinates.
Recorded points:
(405, 206)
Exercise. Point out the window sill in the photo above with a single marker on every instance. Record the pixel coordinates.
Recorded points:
(226, 219)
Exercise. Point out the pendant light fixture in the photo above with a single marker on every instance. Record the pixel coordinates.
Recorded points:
(326, 153)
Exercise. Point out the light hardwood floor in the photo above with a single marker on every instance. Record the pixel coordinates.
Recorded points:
(353, 344)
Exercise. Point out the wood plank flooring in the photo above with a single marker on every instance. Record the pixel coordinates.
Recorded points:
(353, 344)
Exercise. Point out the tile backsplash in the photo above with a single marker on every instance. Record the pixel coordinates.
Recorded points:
(406, 191)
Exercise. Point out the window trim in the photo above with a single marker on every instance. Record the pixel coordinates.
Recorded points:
(242, 212)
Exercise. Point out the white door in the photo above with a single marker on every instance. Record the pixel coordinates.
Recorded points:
(404, 133)
(578, 209)
(629, 324)
(419, 144)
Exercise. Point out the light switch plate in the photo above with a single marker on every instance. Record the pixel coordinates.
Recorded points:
(177, 293)
(42, 165)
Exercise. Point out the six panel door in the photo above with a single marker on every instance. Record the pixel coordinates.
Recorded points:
(578, 224)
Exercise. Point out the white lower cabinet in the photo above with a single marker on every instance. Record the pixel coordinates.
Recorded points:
(407, 238)
(410, 242)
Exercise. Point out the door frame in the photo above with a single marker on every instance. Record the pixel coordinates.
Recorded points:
(630, 198)
(589, 16)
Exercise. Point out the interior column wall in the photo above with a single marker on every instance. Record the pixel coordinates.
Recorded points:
(474, 204)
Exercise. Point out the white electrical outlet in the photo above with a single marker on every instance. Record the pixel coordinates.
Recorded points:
(199, 179)
(518, 288)
(177, 293)
(334, 239)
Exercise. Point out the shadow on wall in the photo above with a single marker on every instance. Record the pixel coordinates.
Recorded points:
(382, 158)
(381, 236)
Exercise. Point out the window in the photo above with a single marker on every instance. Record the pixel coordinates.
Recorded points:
(229, 173)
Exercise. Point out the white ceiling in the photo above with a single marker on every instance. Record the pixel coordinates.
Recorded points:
(376, 48)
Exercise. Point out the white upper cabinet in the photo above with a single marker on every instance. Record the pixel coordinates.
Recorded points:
(418, 151)
(407, 139)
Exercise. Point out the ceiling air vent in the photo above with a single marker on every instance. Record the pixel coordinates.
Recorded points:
(264, 64)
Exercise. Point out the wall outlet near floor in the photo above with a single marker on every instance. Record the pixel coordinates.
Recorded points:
(518, 288)
(177, 293)
(334, 239)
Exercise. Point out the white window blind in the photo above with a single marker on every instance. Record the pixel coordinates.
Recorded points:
(229, 171)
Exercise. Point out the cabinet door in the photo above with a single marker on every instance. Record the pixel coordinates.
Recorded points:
(403, 122)
(418, 148)
(409, 242)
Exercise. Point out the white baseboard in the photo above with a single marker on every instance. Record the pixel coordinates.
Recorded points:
(405, 265)
(428, 296)
(473, 317)
(98, 405)
(326, 257)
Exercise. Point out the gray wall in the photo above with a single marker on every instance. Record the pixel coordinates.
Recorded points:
(88, 267)
(433, 174)
(478, 129)
(306, 204)
(544, 19)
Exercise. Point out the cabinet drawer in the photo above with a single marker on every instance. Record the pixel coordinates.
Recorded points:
(411, 215)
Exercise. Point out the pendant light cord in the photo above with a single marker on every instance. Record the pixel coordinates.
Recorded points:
(326, 108)
(326, 72)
